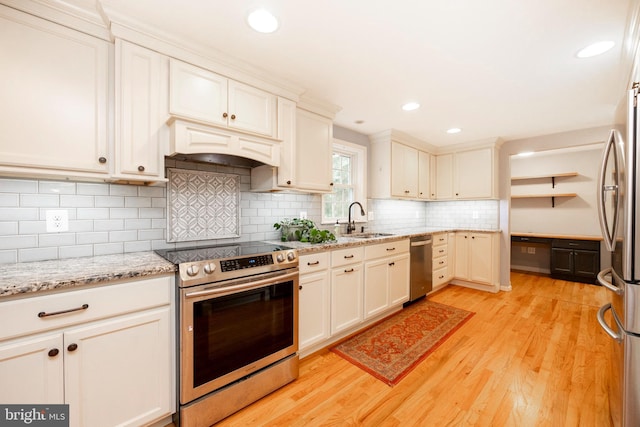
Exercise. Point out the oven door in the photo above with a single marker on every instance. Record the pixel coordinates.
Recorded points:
(230, 331)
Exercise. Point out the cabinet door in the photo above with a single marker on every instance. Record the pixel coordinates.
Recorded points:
(424, 175)
(141, 112)
(346, 297)
(251, 109)
(197, 93)
(451, 259)
(287, 134)
(586, 263)
(313, 151)
(561, 261)
(404, 171)
(474, 173)
(120, 370)
(376, 287)
(55, 86)
(399, 267)
(462, 256)
(314, 325)
(32, 370)
(444, 176)
(480, 258)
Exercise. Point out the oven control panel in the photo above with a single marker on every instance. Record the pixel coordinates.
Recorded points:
(248, 262)
(211, 271)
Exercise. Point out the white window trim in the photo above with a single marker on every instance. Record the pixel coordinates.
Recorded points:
(359, 179)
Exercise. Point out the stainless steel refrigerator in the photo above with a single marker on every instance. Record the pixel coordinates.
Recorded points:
(619, 212)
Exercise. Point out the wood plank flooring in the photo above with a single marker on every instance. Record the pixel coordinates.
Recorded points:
(534, 356)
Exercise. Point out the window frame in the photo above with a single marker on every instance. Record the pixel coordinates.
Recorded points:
(358, 178)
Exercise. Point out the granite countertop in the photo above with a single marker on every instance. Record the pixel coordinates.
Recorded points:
(23, 278)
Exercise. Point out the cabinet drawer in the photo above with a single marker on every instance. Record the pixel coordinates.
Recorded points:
(439, 239)
(440, 251)
(439, 276)
(590, 245)
(440, 262)
(347, 256)
(314, 262)
(21, 317)
(386, 249)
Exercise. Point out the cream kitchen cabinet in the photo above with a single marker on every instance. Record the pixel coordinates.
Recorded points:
(55, 88)
(207, 97)
(141, 103)
(404, 167)
(398, 169)
(477, 258)
(347, 279)
(314, 295)
(440, 260)
(467, 174)
(386, 276)
(314, 136)
(113, 338)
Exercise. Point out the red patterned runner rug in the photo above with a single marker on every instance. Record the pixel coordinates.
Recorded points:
(390, 349)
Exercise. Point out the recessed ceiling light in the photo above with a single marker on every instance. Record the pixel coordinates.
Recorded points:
(595, 49)
(454, 130)
(525, 154)
(410, 106)
(262, 21)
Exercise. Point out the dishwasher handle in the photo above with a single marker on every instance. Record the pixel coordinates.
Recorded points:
(421, 243)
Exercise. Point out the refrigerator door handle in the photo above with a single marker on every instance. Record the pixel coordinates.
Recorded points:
(613, 334)
(609, 238)
(608, 284)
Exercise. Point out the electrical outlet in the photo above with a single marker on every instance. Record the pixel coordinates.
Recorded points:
(531, 250)
(370, 216)
(57, 221)
(475, 215)
(303, 214)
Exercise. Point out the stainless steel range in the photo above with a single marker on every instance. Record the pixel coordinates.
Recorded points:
(237, 326)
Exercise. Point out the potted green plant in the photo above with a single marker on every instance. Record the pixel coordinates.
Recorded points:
(303, 230)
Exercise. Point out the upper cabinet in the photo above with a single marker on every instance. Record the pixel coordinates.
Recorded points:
(55, 86)
(206, 97)
(469, 174)
(141, 108)
(399, 170)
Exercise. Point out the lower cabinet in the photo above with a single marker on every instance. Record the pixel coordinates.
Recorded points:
(116, 370)
(386, 277)
(575, 260)
(347, 282)
(477, 257)
(314, 294)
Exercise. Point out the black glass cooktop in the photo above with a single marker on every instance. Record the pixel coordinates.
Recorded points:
(215, 252)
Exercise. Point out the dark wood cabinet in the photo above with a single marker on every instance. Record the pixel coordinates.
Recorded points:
(575, 260)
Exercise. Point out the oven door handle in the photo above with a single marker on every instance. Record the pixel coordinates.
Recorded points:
(242, 287)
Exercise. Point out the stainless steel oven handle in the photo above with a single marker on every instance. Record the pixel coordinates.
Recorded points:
(243, 286)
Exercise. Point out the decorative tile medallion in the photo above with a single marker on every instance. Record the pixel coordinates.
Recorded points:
(202, 205)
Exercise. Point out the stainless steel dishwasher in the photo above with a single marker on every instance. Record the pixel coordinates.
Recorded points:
(421, 268)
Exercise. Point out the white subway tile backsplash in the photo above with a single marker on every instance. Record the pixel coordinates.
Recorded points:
(137, 246)
(152, 213)
(109, 202)
(92, 189)
(32, 227)
(37, 254)
(56, 239)
(40, 200)
(108, 225)
(75, 251)
(151, 234)
(123, 190)
(57, 187)
(151, 191)
(123, 236)
(8, 257)
(18, 242)
(8, 228)
(78, 226)
(122, 213)
(92, 237)
(137, 224)
(108, 249)
(9, 200)
(73, 201)
(8, 185)
(93, 213)
(137, 202)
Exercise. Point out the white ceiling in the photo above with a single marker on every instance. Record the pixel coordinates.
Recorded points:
(495, 68)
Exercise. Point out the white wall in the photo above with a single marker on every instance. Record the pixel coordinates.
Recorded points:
(571, 215)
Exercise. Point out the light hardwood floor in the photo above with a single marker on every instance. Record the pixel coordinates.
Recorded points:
(534, 356)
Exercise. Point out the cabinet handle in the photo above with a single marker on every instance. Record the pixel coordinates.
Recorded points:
(300, 287)
(457, 194)
(313, 263)
(55, 313)
(440, 277)
(331, 184)
(53, 352)
(72, 347)
(225, 115)
(441, 262)
(574, 244)
(141, 168)
(348, 256)
(233, 117)
(473, 237)
(102, 160)
(391, 249)
(289, 182)
(351, 270)
(406, 191)
(391, 264)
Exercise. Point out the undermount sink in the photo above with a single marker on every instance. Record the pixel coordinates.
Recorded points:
(367, 235)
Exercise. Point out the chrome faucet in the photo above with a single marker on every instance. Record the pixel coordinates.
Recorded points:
(351, 226)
